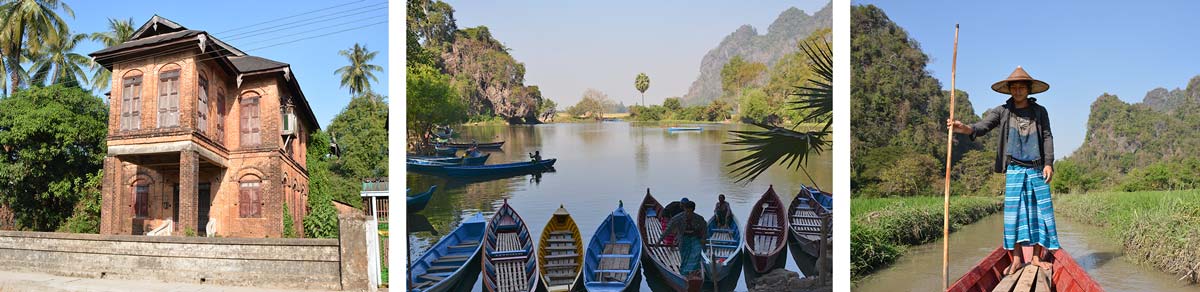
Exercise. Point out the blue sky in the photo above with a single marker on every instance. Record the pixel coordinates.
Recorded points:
(313, 60)
(569, 46)
(1082, 49)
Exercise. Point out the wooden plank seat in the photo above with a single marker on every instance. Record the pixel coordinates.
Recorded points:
(450, 259)
(561, 247)
(561, 256)
(431, 277)
(439, 269)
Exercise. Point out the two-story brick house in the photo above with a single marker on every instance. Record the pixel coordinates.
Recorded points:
(200, 131)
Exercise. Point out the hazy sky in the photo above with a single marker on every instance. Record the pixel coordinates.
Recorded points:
(1083, 51)
(569, 46)
(313, 60)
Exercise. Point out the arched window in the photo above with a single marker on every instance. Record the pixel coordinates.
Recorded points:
(168, 96)
(250, 197)
(131, 101)
(202, 108)
(250, 123)
(141, 198)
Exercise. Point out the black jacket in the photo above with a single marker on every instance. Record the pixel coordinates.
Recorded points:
(998, 117)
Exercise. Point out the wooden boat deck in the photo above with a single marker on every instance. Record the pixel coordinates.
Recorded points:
(1031, 278)
(769, 232)
(614, 263)
(508, 241)
(806, 222)
(561, 266)
(511, 276)
(666, 254)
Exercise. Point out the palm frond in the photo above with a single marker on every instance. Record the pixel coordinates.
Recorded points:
(790, 147)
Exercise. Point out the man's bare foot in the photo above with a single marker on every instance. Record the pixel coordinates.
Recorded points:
(1037, 261)
(1012, 268)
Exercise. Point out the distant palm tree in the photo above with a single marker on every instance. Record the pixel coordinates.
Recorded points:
(26, 25)
(767, 147)
(642, 82)
(119, 31)
(359, 74)
(58, 60)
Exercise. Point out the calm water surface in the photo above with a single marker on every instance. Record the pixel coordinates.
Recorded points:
(920, 269)
(598, 165)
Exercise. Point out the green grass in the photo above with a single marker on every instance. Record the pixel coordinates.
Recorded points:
(1160, 229)
(881, 228)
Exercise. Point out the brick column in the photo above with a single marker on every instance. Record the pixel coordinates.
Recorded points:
(352, 246)
(109, 194)
(189, 169)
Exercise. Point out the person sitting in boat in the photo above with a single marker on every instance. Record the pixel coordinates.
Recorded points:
(690, 231)
(722, 211)
(471, 152)
(1026, 154)
(536, 156)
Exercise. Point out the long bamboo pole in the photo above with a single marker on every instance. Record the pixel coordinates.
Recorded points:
(946, 188)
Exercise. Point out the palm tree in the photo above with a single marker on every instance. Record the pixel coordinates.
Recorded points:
(774, 143)
(27, 25)
(642, 82)
(119, 31)
(58, 60)
(359, 74)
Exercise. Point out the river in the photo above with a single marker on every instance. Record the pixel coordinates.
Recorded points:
(598, 165)
(920, 269)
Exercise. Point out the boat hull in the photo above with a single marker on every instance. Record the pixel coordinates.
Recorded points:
(804, 221)
(1068, 275)
(499, 169)
(765, 233)
(561, 245)
(729, 266)
(508, 247)
(617, 228)
(491, 145)
(471, 230)
(418, 202)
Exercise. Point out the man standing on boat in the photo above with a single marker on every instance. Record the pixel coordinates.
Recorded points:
(689, 229)
(1026, 155)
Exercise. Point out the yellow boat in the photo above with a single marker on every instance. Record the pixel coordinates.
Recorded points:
(560, 254)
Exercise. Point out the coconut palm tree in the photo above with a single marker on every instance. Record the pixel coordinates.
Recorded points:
(642, 82)
(774, 143)
(359, 74)
(119, 31)
(26, 26)
(58, 60)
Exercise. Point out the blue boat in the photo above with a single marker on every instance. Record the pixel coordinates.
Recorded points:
(418, 202)
(449, 262)
(613, 255)
(684, 129)
(725, 243)
(445, 151)
(805, 215)
(822, 197)
(500, 169)
(428, 166)
(509, 262)
(477, 159)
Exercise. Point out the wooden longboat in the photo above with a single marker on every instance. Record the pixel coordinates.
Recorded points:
(765, 234)
(804, 222)
(725, 244)
(509, 263)
(560, 254)
(450, 260)
(988, 275)
(613, 253)
(665, 257)
(418, 202)
(489, 145)
(500, 169)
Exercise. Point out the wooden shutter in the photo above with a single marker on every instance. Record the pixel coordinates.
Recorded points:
(135, 114)
(126, 103)
(220, 117)
(141, 206)
(250, 121)
(202, 109)
(249, 201)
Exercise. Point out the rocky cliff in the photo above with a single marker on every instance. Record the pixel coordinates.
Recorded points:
(790, 27)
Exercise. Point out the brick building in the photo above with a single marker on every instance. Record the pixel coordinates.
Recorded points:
(201, 132)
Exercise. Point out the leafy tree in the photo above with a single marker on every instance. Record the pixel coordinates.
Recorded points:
(738, 74)
(756, 108)
(909, 176)
(360, 73)
(430, 101)
(119, 31)
(361, 133)
(673, 103)
(51, 139)
(86, 216)
(59, 61)
(431, 21)
(28, 24)
(781, 145)
(641, 83)
(592, 105)
(321, 219)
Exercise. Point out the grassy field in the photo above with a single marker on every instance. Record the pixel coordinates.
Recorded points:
(1160, 229)
(881, 228)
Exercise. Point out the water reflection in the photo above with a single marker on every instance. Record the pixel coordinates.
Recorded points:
(601, 163)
